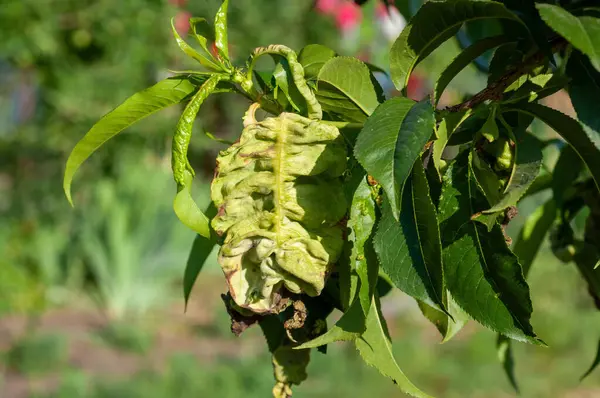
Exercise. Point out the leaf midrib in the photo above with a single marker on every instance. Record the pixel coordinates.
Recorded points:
(425, 262)
(278, 172)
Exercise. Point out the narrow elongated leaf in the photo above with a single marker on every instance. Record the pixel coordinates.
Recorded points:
(390, 142)
(375, 348)
(184, 205)
(594, 364)
(588, 148)
(481, 273)
(313, 57)
(163, 94)
(532, 234)
(362, 258)
(487, 180)
(583, 32)
(202, 32)
(463, 60)
(585, 91)
(348, 277)
(434, 23)
(527, 165)
(410, 251)
(201, 249)
(183, 130)
(543, 182)
(505, 356)
(221, 41)
(204, 59)
(344, 88)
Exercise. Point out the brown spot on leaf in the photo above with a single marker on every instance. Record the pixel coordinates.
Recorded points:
(372, 181)
(239, 322)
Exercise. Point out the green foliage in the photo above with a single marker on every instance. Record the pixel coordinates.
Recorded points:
(163, 94)
(35, 354)
(410, 251)
(345, 89)
(391, 141)
(475, 257)
(304, 229)
(433, 24)
(582, 32)
(466, 57)
(375, 348)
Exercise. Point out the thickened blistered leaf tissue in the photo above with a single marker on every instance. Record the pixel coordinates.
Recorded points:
(279, 196)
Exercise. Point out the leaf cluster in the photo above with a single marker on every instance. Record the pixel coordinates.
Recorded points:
(430, 190)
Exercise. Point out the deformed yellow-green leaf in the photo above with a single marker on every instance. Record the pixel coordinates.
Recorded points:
(279, 196)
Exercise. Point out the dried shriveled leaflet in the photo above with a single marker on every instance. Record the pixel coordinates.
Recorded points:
(279, 197)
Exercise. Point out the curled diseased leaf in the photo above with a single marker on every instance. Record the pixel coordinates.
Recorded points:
(279, 197)
(313, 107)
(183, 130)
(221, 41)
(185, 208)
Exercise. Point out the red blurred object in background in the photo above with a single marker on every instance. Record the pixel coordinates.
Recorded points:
(327, 6)
(417, 87)
(182, 24)
(348, 15)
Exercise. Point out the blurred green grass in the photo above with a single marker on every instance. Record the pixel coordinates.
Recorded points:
(464, 367)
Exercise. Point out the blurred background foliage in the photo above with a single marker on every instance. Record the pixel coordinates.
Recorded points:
(90, 297)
